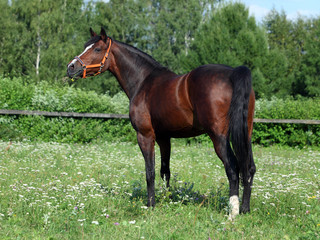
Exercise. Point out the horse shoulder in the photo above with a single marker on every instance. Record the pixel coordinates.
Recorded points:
(140, 115)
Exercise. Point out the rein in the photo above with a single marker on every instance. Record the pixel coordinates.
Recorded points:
(100, 65)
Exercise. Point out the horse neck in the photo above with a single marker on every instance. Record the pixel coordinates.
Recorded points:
(132, 67)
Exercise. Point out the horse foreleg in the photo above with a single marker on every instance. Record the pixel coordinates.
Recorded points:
(146, 143)
(165, 149)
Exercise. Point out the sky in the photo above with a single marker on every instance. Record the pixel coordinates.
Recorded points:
(292, 8)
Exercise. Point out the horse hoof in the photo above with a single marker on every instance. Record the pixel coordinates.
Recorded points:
(245, 209)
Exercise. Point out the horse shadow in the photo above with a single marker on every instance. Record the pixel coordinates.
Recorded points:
(184, 193)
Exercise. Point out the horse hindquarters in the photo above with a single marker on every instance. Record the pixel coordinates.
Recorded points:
(223, 109)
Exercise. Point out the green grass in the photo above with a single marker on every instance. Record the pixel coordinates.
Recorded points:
(98, 191)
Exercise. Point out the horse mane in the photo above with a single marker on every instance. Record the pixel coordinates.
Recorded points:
(92, 40)
(143, 58)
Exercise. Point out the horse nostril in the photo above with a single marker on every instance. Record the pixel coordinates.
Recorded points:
(71, 66)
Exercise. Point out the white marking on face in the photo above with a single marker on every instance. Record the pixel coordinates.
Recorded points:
(87, 48)
(234, 207)
(75, 60)
(72, 62)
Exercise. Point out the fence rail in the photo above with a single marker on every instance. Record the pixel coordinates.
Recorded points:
(63, 114)
(291, 121)
(125, 116)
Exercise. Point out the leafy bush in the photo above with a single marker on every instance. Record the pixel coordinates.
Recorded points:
(17, 94)
(287, 134)
(283, 134)
(288, 108)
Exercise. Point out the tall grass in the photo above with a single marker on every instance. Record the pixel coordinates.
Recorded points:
(98, 191)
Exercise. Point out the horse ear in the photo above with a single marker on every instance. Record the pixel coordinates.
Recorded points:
(103, 35)
(93, 34)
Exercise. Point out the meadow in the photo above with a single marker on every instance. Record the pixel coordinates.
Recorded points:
(98, 191)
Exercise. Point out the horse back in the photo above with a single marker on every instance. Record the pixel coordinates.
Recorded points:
(182, 106)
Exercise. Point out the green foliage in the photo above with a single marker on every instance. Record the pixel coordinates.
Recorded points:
(286, 42)
(15, 94)
(288, 108)
(310, 74)
(72, 130)
(287, 134)
(175, 24)
(295, 135)
(39, 37)
(232, 38)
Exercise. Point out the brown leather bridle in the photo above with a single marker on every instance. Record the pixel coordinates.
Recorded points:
(100, 65)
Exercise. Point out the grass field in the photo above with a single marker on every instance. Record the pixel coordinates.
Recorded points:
(98, 191)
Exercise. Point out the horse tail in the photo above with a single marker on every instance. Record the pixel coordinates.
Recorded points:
(238, 118)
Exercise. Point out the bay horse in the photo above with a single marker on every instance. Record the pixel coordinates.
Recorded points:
(213, 99)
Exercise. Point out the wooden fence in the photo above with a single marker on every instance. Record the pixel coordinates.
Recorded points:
(63, 114)
(125, 116)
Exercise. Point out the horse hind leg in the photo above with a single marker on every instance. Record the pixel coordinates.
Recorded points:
(225, 153)
(247, 184)
(165, 150)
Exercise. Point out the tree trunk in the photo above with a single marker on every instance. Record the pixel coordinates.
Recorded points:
(38, 43)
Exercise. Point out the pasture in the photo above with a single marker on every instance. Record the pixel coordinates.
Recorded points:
(98, 191)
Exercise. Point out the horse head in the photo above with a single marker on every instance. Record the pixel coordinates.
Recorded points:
(94, 59)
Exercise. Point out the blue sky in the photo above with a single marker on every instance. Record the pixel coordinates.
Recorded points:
(260, 8)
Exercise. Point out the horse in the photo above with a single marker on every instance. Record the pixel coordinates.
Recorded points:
(214, 99)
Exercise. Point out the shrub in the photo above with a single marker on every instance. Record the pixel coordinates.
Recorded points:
(17, 94)
(287, 134)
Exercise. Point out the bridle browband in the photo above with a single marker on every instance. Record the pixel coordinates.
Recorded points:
(100, 65)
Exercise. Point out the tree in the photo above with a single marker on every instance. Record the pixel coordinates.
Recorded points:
(39, 37)
(230, 37)
(163, 29)
(310, 73)
(13, 41)
(286, 38)
(126, 21)
(173, 26)
(44, 42)
(8, 32)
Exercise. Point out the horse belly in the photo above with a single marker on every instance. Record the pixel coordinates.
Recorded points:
(171, 110)
(177, 123)
(186, 133)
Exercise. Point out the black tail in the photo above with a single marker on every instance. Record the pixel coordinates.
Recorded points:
(238, 118)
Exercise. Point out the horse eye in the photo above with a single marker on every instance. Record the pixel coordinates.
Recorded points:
(97, 49)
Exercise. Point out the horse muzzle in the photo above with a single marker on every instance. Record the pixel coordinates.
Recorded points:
(74, 72)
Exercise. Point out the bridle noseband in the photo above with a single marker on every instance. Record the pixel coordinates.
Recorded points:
(100, 65)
